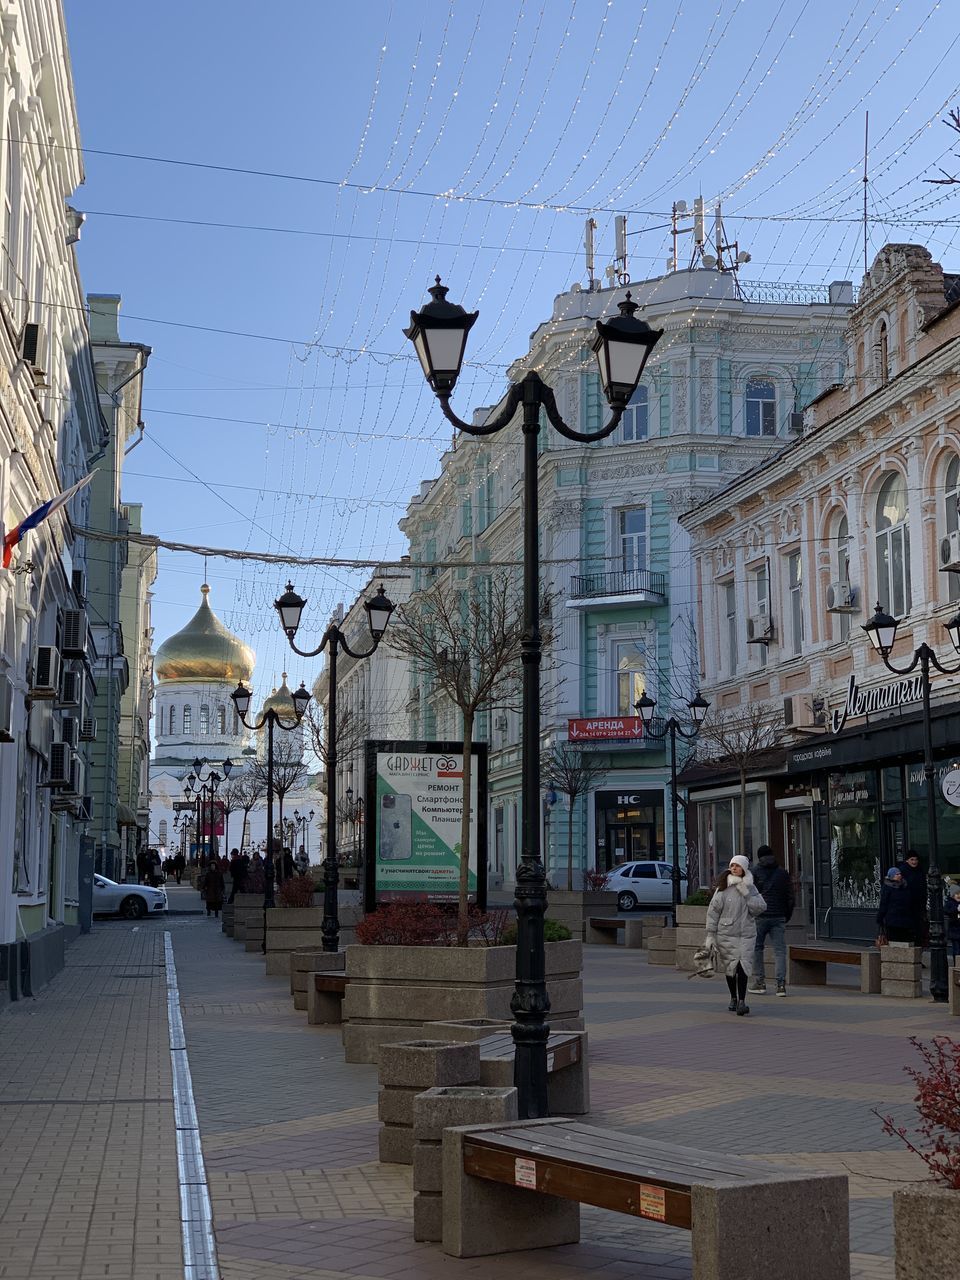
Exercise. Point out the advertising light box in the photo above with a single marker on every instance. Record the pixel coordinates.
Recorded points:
(413, 816)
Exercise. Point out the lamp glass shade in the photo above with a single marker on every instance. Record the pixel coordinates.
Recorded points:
(439, 336)
(290, 607)
(378, 610)
(227, 768)
(215, 780)
(953, 631)
(300, 697)
(882, 630)
(698, 708)
(241, 698)
(191, 779)
(349, 795)
(622, 347)
(198, 764)
(645, 707)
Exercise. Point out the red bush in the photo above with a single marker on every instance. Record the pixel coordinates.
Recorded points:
(596, 880)
(421, 923)
(296, 891)
(936, 1137)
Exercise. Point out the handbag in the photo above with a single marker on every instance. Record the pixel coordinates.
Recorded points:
(881, 939)
(706, 960)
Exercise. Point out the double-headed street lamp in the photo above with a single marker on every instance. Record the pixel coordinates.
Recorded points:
(698, 708)
(290, 607)
(303, 821)
(882, 630)
(355, 809)
(205, 790)
(622, 346)
(241, 700)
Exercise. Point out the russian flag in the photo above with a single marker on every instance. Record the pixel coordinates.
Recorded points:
(38, 517)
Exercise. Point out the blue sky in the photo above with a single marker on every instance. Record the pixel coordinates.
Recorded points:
(464, 138)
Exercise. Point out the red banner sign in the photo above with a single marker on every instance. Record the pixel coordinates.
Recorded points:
(614, 728)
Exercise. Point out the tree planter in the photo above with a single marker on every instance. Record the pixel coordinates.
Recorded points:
(247, 911)
(393, 992)
(926, 1231)
(290, 928)
(574, 907)
(691, 926)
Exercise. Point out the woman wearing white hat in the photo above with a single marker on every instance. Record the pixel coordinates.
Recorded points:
(732, 928)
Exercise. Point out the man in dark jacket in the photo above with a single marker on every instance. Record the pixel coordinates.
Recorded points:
(915, 879)
(774, 886)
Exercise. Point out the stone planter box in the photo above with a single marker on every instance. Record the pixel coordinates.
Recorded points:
(294, 928)
(574, 908)
(900, 972)
(247, 909)
(226, 919)
(300, 963)
(662, 948)
(394, 992)
(691, 926)
(926, 1231)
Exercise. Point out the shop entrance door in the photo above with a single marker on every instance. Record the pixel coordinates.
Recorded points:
(631, 842)
(893, 849)
(799, 846)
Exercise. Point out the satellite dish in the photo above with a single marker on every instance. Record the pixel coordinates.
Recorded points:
(680, 206)
(709, 260)
(743, 256)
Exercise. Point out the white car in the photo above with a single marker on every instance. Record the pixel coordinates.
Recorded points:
(641, 884)
(134, 901)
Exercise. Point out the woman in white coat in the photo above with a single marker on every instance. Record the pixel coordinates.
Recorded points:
(732, 928)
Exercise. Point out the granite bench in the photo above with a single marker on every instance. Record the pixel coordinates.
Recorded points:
(568, 1079)
(325, 992)
(807, 966)
(517, 1186)
(609, 928)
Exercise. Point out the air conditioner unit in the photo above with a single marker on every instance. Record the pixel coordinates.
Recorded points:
(46, 673)
(759, 629)
(31, 347)
(788, 713)
(74, 634)
(76, 774)
(70, 730)
(80, 585)
(796, 424)
(88, 729)
(841, 597)
(84, 810)
(40, 728)
(501, 723)
(950, 551)
(59, 762)
(71, 689)
(6, 709)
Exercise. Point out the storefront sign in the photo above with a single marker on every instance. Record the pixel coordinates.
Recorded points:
(622, 728)
(879, 697)
(950, 787)
(413, 829)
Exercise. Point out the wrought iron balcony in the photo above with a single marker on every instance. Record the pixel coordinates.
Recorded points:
(636, 586)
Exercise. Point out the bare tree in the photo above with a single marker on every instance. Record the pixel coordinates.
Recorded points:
(572, 772)
(228, 802)
(289, 771)
(735, 738)
(466, 642)
(248, 792)
(949, 179)
(351, 732)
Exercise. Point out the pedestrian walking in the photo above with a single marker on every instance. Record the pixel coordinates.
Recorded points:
(213, 888)
(731, 928)
(143, 867)
(155, 868)
(179, 866)
(236, 873)
(775, 887)
(288, 864)
(895, 915)
(303, 862)
(952, 913)
(915, 879)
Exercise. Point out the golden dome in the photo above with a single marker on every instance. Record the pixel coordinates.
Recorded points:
(281, 701)
(204, 650)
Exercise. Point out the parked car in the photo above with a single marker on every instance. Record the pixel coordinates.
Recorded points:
(133, 901)
(641, 884)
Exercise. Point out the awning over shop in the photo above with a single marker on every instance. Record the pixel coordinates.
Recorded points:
(125, 815)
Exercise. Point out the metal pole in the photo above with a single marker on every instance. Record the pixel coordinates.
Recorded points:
(198, 826)
(675, 876)
(530, 1003)
(939, 989)
(269, 866)
(330, 927)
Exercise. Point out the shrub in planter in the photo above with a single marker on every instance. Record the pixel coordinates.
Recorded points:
(596, 881)
(553, 931)
(936, 1135)
(420, 923)
(296, 891)
(699, 898)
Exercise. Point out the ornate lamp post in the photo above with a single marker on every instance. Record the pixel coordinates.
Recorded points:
(698, 708)
(241, 697)
(290, 607)
(882, 631)
(205, 790)
(622, 347)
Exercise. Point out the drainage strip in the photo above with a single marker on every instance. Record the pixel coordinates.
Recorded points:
(196, 1215)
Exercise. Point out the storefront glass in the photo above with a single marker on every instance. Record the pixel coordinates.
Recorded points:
(948, 818)
(855, 849)
(629, 827)
(719, 830)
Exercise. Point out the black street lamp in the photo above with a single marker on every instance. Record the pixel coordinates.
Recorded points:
(290, 607)
(622, 347)
(882, 631)
(241, 697)
(205, 789)
(698, 708)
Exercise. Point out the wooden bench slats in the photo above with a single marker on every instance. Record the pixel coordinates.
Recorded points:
(586, 1146)
(606, 1190)
(823, 953)
(559, 1043)
(606, 922)
(330, 982)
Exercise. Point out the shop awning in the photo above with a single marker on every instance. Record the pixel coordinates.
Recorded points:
(125, 815)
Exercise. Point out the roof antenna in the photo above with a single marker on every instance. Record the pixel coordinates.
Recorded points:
(866, 138)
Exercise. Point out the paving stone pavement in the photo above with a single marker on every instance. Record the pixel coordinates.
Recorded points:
(290, 1130)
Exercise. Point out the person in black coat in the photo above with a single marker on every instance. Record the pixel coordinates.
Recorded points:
(776, 888)
(915, 878)
(951, 911)
(895, 915)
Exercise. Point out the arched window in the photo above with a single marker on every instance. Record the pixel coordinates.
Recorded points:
(760, 407)
(187, 719)
(221, 720)
(893, 546)
(11, 209)
(883, 353)
(633, 424)
(163, 831)
(172, 720)
(204, 718)
(842, 561)
(951, 518)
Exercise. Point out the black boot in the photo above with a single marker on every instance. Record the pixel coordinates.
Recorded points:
(742, 1009)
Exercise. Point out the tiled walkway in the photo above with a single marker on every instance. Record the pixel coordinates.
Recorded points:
(289, 1129)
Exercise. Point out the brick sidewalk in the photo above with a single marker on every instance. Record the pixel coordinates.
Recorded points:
(290, 1130)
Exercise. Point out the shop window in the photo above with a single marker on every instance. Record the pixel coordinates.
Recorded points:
(795, 601)
(760, 408)
(204, 718)
(718, 824)
(634, 423)
(893, 546)
(632, 533)
(187, 719)
(951, 518)
(855, 865)
(631, 676)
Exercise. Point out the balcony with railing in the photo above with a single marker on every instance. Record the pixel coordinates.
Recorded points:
(632, 586)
